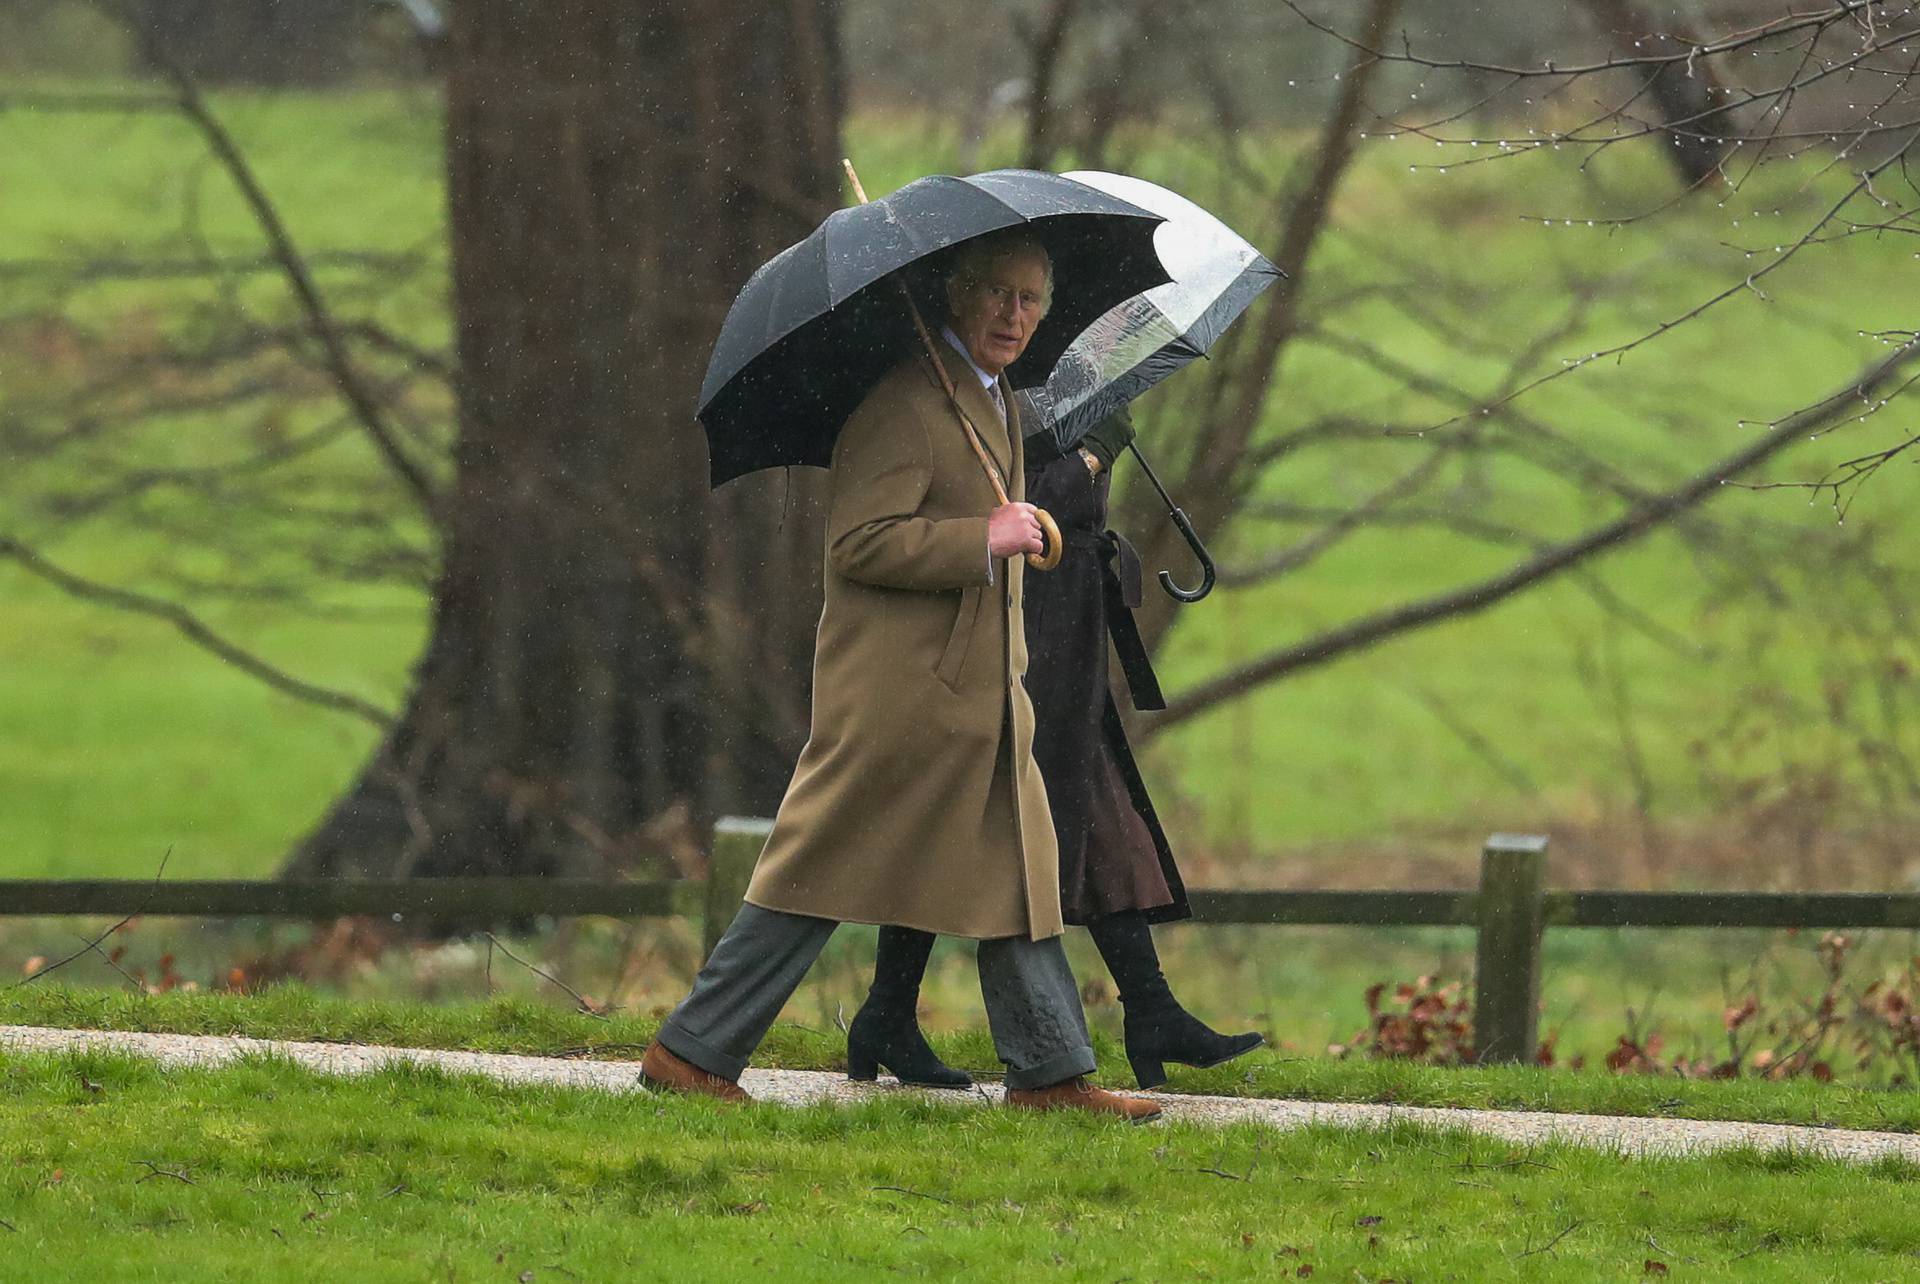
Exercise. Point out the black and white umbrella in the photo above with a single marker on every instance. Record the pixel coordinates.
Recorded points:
(1136, 344)
(1133, 346)
(817, 326)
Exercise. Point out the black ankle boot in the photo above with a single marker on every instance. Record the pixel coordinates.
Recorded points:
(1158, 1029)
(886, 1029)
(890, 1038)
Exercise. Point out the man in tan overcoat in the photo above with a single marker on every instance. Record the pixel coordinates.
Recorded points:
(916, 801)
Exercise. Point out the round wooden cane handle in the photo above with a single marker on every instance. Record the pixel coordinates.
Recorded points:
(1055, 545)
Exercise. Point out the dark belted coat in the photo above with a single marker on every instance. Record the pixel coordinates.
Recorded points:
(916, 801)
(1114, 853)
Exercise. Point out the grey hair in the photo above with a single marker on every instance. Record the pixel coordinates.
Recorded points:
(974, 258)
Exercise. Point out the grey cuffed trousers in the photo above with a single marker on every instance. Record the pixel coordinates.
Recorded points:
(1033, 1005)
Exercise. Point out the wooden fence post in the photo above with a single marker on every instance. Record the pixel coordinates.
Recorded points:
(1506, 1009)
(737, 841)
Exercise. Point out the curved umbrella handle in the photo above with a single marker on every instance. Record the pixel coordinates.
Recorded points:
(1050, 558)
(1207, 573)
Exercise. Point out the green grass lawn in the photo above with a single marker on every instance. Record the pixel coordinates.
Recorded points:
(1755, 740)
(541, 1029)
(1304, 988)
(114, 1169)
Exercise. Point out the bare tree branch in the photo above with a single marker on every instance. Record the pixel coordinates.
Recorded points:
(1295, 556)
(127, 268)
(94, 944)
(1481, 745)
(339, 360)
(1772, 30)
(1640, 519)
(1214, 478)
(195, 630)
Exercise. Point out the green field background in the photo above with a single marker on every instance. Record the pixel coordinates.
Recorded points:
(118, 739)
(1744, 690)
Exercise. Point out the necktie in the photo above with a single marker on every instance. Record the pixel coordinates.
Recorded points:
(999, 402)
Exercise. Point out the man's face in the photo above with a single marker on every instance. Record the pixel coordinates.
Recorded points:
(995, 316)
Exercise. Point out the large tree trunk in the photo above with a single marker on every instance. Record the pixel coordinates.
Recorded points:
(610, 643)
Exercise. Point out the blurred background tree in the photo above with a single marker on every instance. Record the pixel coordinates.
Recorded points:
(311, 403)
(607, 644)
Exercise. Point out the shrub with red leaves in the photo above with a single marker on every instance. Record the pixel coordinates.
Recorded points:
(1426, 1021)
(1877, 1026)
(1429, 1021)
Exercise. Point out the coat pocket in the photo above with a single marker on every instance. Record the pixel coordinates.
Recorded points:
(954, 658)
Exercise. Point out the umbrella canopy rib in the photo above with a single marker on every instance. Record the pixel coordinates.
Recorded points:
(818, 324)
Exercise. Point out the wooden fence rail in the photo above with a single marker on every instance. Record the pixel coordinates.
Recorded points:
(1510, 911)
(464, 898)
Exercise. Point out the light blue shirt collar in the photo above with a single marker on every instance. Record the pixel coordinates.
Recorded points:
(986, 380)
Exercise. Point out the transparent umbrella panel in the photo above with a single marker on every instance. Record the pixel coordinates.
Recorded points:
(1138, 342)
(1215, 274)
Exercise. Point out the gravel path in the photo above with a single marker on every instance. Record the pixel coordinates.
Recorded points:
(1626, 1135)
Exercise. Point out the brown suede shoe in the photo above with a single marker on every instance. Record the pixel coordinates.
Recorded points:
(661, 1071)
(1077, 1094)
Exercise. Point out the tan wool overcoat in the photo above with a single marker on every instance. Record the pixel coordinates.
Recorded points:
(916, 800)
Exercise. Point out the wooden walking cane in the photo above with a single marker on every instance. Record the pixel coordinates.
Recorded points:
(1048, 527)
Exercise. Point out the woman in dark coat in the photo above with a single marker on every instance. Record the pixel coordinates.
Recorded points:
(1117, 873)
